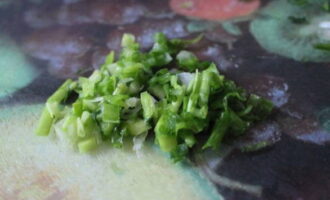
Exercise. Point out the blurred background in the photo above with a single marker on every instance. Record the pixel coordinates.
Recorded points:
(277, 49)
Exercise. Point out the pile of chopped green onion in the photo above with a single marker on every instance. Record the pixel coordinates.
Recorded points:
(166, 91)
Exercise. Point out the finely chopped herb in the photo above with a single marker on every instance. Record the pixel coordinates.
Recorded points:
(142, 93)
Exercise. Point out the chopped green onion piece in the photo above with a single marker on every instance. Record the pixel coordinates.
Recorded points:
(111, 113)
(77, 108)
(127, 40)
(53, 109)
(134, 88)
(87, 145)
(87, 87)
(137, 127)
(132, 102)
(218, 132)
(107, 128)
(45, 123)
(165, 132)
(89, 104)
(148, 105)
(108, 60)
(70, 124)
(188, 61)
(121, 89)
(86, 125)
(167, 143)
(62, 92)
(157, 91)
(118, 100)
